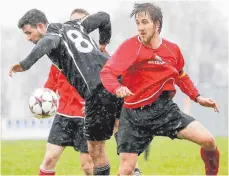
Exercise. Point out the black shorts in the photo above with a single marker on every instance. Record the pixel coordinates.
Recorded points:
(137, 127)
(102, 108)
(67, 131)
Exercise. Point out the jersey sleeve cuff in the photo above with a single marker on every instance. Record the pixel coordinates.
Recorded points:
(23, 65)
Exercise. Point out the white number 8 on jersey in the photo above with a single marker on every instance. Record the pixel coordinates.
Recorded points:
(78, 40)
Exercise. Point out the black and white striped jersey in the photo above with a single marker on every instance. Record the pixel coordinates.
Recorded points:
(71, 49)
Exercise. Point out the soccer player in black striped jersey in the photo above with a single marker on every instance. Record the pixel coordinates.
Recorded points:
(74, 53)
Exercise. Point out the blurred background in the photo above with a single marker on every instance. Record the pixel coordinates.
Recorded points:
(200, 28)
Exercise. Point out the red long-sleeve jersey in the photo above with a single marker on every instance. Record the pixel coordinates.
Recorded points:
(70, 103)
(145, 76)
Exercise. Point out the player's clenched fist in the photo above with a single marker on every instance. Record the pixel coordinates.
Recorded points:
(123, 92)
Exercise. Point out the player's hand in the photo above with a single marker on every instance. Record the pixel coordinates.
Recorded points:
(15, 68)
(123, 92)
(103, 48)
(207, 102)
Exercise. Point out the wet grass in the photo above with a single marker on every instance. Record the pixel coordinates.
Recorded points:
(167, 157)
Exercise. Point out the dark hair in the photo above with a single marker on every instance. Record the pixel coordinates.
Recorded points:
(153, 10)
(82, 11)
(32, 17)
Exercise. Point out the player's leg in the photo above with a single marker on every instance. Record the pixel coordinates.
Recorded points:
(197, 133)
(133, 137)
(80, 144)
(52, 155)
(100, 108)
(127, 163)
(57, 140)
(99, 156)
(177, 124)
(96, 145)
(137, 171)
(86, 163)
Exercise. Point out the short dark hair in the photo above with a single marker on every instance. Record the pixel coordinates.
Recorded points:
(82, 11)
(153, 10)
(32, 17)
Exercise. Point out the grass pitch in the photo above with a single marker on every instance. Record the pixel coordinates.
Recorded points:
(167, 157)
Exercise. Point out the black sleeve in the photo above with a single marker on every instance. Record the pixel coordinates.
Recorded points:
(44, 46)
(102, 21)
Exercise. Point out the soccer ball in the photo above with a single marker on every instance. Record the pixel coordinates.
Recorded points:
(43, 103)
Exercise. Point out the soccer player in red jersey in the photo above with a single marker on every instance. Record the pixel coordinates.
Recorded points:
(150, 67)
(67, 127)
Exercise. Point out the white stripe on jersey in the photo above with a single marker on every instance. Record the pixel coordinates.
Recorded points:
(153, 94)
(71, 54)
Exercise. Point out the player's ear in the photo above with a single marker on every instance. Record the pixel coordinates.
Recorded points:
(40, 26)
(157, 25)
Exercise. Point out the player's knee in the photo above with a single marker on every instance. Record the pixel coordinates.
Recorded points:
(50, 160)
(127, 169)
(209, 142)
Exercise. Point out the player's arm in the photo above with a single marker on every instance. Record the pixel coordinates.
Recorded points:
(100, 20)
(119, 62)
(184, 82)
(44, 46)
(187, 86)
(51, 82)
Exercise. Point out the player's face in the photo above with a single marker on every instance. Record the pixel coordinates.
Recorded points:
(146, 27)
(33, 33)
(76, 16)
